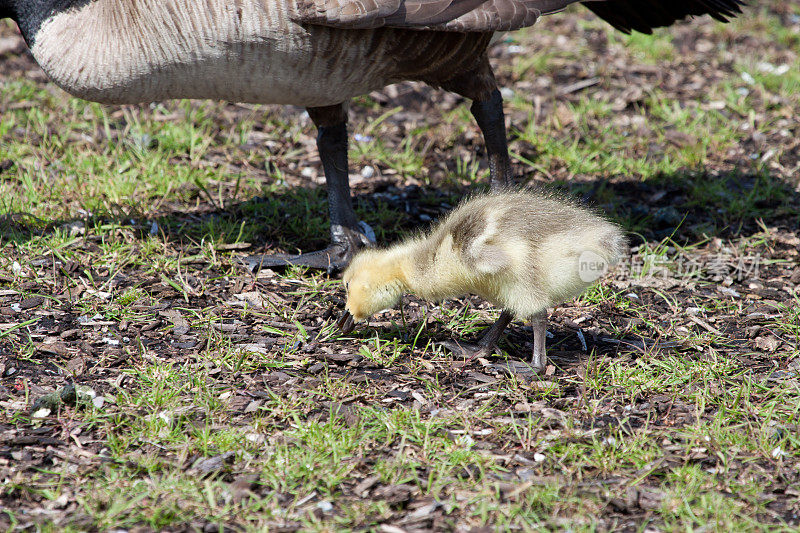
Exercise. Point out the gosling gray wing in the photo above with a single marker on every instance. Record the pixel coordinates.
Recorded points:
(501, 15)
(475, 235)
(450, 15)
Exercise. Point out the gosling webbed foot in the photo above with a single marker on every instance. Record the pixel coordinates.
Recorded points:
(469, 351)
(518, 368)
(484, 347)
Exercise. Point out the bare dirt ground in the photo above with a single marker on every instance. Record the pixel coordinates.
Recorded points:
(149, 382)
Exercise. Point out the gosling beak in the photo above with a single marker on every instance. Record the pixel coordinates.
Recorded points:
(346, 323)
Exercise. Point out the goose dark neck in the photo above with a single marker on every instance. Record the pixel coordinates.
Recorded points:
(6, 11)
(31, 14)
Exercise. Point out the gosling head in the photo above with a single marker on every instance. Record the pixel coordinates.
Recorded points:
(373, 282)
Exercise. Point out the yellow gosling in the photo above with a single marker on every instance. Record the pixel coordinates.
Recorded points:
(524, 251)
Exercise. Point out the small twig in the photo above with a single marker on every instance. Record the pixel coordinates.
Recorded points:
(577, 86)
(705, 325)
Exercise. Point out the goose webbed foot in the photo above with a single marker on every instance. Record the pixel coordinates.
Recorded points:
(331, 259)
(348, 235)
(334, 258)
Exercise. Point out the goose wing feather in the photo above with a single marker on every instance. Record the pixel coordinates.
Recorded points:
(449, 15)
(501, 15)
(644, 15)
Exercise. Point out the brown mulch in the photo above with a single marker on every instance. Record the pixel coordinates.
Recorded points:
(73, 344)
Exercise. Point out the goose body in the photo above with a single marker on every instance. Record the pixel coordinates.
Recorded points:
(125, 52)
(312, 53)
(521, 250)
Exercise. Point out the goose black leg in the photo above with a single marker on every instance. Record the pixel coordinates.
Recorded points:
(489, 115)
(480, 86)
(347, 234)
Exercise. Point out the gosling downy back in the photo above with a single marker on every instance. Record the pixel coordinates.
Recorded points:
(523, 250)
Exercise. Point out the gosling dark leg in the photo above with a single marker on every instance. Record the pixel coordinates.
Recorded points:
(539, 325)
(491, 120)
(492, 335)
(346, 235)
(485, 346)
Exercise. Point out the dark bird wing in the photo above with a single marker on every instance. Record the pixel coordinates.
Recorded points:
(450, 15)
(500, 15)
(644, 15)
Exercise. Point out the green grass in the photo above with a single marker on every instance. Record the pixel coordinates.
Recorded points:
(148, 209)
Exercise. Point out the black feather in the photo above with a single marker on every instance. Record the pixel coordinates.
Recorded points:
(644, 15)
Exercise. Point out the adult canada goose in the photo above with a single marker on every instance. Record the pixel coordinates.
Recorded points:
(521, 250)
(312, 53)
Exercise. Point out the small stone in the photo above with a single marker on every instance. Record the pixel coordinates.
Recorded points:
(367, 172)
(752, 331)
(206, 465)
(729, 292)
